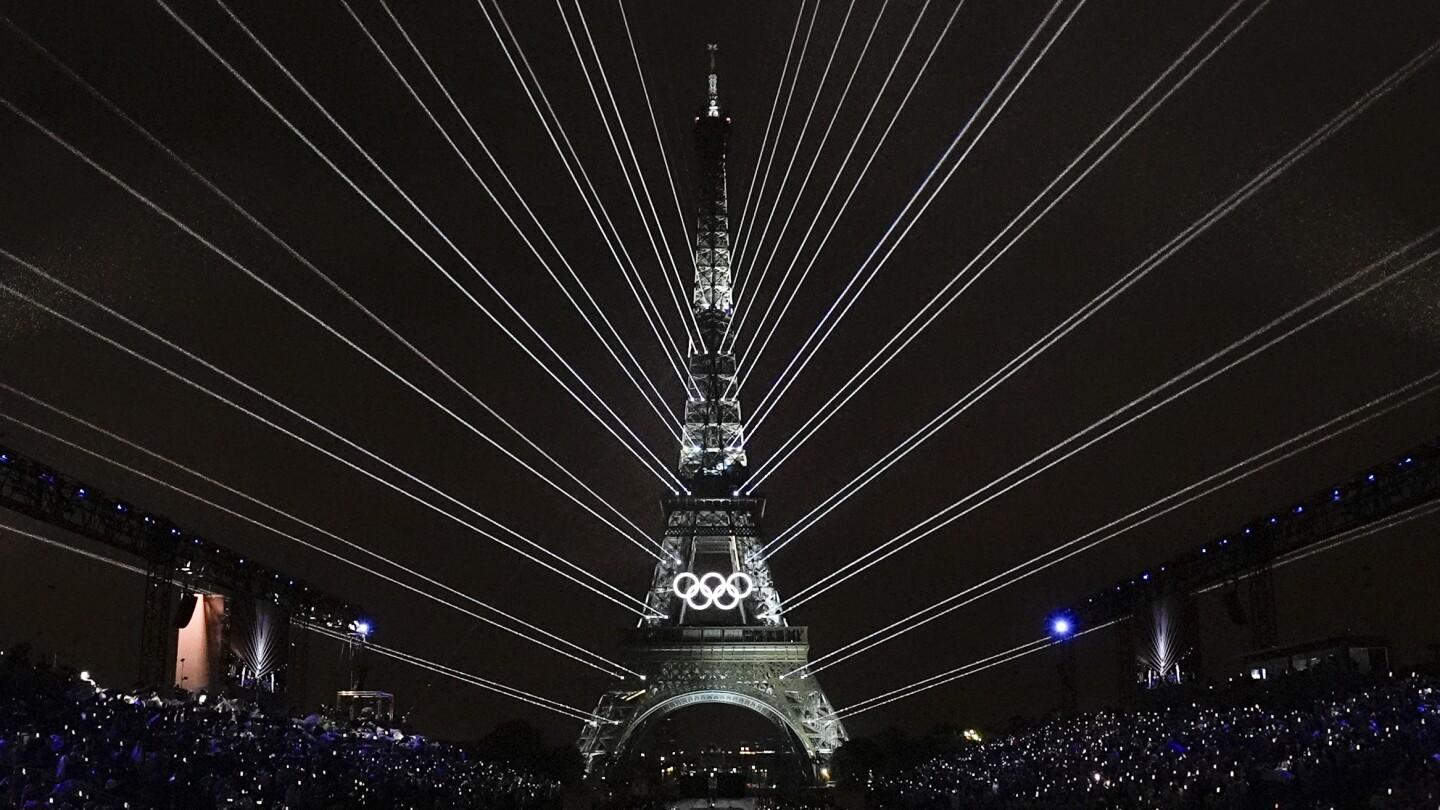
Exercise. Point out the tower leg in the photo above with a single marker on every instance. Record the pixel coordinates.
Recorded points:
(1127, 655)
(157, 626)
(1264, 625)
(1192, 657)
(1069, 690)
(297, 669)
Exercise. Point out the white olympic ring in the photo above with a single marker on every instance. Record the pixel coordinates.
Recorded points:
(713, 589)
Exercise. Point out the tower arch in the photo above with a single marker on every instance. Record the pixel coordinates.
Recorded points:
(660, 709)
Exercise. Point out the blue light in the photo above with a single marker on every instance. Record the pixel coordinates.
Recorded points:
(80, 493)
(361, 628)
(1370, 477)
(4, 458)
(1299, 509)
(1061, 627)
(1335, 495)
(1145, 576)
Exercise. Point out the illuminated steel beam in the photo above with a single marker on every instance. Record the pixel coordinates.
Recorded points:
(1343, 539)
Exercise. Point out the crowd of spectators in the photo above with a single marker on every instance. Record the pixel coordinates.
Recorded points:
(1370, 745)
(67, 744)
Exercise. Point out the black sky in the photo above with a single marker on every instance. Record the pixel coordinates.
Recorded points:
(1364, 193)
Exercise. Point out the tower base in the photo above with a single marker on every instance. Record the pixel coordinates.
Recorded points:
(690, 665)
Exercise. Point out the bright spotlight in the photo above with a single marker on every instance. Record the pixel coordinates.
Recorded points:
(361, 628)
(1061, 627)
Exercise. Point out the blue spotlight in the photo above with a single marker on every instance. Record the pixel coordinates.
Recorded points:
(1061, 627)
(361, 628)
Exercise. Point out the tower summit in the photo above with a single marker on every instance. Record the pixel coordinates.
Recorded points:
(712, 450)
(714, 633)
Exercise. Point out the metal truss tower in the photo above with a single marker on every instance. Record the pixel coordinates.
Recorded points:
(715, 633)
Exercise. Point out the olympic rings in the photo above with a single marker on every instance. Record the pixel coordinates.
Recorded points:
(713, 589)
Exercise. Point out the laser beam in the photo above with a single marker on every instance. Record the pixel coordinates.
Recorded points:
(743, 240)
(660, 471)
(777, 389)
(573, 652)
(945, 417)
(668, 418)
(295, 254)
(570, 159)
(687, 316)
(751, 357)
(135, 569)
(795, 153)
(1266, 176)
(746, 212)
(964, 671)
(1284, 450)
(620, 600)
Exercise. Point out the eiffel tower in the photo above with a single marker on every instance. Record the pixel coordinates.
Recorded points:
(716, 633)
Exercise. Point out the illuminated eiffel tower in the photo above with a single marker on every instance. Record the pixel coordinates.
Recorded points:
(717, 634)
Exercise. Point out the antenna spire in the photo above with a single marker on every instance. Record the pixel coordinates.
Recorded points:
(713, 109)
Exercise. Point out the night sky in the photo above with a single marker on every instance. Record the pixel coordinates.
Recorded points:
(1364, 193)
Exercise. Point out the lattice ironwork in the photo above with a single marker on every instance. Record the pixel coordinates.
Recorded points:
(1386, 489)
(703, 643)
(172, 555)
